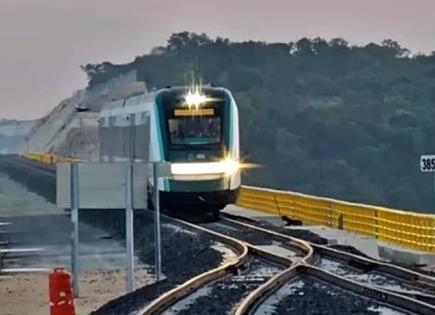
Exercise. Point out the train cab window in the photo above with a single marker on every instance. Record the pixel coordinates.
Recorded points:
(194, 130)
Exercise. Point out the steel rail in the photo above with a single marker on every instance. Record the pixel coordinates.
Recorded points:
(266, 289)
(412, 301)
(254, 299)
(297, 243)
(408, 300)
(413, 278)
(382, 295)
(182, 291)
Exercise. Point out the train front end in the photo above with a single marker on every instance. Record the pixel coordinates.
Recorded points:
(200, 137)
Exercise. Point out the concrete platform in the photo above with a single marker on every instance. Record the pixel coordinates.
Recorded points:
(369, 246)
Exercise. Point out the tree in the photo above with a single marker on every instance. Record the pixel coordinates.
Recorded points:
(186, 41)
(395, 48)
(320, 116)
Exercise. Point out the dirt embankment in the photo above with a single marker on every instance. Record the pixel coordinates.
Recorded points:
(70, 129)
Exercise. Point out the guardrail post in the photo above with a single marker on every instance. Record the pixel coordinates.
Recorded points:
(341, 221)
(330, 213)
(277, 205)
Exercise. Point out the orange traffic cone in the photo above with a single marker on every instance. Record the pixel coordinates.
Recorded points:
(61, 293)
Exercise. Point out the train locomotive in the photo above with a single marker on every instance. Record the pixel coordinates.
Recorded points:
(196, 129)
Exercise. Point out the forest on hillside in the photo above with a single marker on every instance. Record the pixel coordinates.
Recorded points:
(321, 117)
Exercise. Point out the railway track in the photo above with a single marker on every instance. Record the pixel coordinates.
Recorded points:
(384, 282)
(285, 263)
(254, 266)
(291, 261)
(385, 275)
(231, 289)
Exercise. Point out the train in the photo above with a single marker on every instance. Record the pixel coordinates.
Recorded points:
(194, 128)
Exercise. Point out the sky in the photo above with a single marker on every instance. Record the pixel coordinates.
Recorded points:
(44, 42)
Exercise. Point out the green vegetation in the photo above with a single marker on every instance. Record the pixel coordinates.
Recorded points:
(324, 118)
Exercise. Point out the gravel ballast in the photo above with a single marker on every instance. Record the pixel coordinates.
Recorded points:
(309, 296)
(185, 254)
(369, 277)
(222, 297)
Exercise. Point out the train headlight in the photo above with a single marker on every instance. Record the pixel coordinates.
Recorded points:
(225, 167)
(194, 98)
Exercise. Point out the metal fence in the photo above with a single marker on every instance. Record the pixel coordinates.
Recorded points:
(407, 229)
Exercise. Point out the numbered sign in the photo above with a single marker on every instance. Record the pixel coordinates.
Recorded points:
(427, 163)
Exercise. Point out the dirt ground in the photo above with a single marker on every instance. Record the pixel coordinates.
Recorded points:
(38, 223)
(23, 294)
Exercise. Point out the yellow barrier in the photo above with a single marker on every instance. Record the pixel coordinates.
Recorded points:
(259, 199)
(49, 159)
(406, 229)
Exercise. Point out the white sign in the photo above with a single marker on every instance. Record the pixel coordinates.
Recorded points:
(427, 163)
(102, 185)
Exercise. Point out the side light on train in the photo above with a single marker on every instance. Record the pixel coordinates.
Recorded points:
(230, 166)
(225, 167)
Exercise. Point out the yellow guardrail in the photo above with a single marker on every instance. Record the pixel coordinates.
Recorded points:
(407, 229)
(46, 158)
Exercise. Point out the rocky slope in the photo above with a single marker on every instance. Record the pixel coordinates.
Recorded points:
(71, 128)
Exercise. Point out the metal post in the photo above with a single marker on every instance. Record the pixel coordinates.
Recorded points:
(129, 237)
(158, 251)
(75, 225)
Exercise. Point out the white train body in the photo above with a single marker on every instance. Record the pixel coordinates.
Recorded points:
(196, 131)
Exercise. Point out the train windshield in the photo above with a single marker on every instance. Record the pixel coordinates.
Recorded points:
(195, 130)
